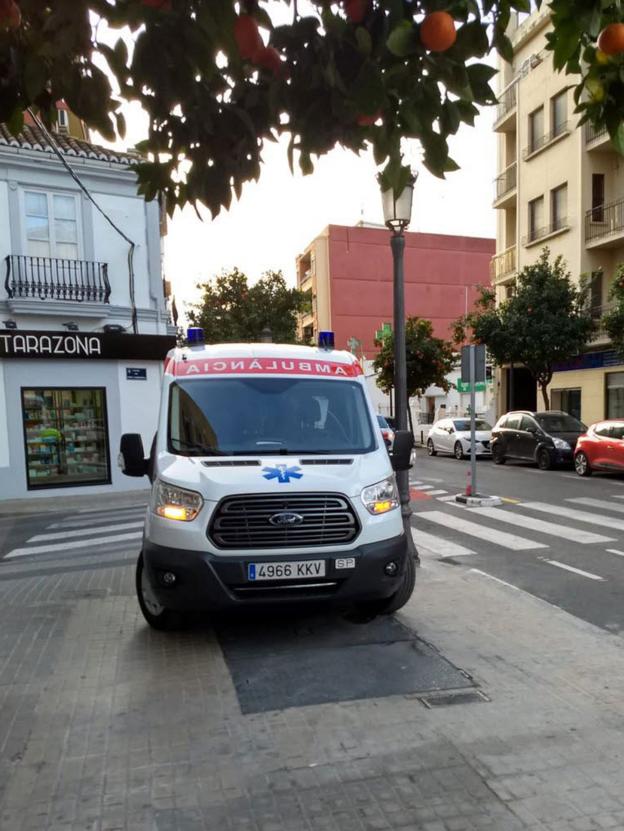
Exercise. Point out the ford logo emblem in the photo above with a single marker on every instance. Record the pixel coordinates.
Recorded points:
(286, 519)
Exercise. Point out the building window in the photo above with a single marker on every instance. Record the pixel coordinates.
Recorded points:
(558, 207)
(615, 395)
(536, 218)
(66, 437)
(558, 114)
(51, 225)
(62, 120)
(536, 129)
(567, 400)
(598, 197)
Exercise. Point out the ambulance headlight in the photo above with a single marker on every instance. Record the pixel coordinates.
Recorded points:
(382, 497)
(172, 502)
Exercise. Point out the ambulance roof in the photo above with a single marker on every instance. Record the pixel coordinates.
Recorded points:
(260, 359)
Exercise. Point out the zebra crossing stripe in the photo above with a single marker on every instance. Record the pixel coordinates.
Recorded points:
(597, 503)
(438, 545)
(574, 513)
(437, 493)
(574, 570)
(84, 521)
(62, 535)
(64, 546)
(552, 528)
(464, 526)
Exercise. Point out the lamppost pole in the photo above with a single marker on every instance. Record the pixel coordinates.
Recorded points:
(397, 215)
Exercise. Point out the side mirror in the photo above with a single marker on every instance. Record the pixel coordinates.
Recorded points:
(132, 459)
(402, 450)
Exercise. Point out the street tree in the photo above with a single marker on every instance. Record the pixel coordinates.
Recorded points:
(218, 79)
(429, 359)
(232, 311)
(613, 321)
(546, 320)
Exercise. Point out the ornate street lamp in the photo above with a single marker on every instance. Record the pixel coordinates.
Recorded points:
(397, 215)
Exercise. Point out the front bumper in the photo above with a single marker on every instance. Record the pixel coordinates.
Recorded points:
(210, 582)
(562, 457)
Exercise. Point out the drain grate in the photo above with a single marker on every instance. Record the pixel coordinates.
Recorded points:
(450, 698)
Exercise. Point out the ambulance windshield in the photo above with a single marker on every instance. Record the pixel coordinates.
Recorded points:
(260, 416)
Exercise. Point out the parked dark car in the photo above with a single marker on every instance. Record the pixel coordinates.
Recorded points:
(601, 448)
(547, 438)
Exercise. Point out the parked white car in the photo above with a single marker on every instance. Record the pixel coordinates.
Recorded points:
(452, 435)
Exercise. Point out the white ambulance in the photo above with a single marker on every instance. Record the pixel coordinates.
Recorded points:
(271, 483)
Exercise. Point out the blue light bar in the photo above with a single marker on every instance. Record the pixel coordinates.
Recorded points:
(195, 335)
(326, 340)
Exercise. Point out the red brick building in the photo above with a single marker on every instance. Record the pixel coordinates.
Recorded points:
(349, 270)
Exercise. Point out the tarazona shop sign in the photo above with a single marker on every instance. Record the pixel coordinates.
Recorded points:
(84, 345)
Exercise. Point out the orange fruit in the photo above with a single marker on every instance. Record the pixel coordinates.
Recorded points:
(437, 32)
(611, 39)
(269, 58)
(10, 15)
(356, 10)
(247, 37)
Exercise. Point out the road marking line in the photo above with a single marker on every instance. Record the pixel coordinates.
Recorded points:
(84, 523)
(438, 545)
(62, 535)
(597, 503)
(502, 538)
(64, 546)
(437, 493)
(498, 580)
(573, 513)
(510, 500)
(615, 551)
(134, 506)
(617, 495)
(423, 487)
(573, 534)
(580, 571)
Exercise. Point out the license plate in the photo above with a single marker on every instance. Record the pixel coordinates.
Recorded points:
(286, 571)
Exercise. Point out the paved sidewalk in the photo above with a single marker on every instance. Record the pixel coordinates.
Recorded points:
(52, 504)
(106, 725)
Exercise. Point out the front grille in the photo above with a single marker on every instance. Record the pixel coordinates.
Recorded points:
(243, 521)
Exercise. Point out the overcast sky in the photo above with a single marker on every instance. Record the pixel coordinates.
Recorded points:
(278, 216)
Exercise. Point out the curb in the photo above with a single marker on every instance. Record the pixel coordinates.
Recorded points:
(478, 501)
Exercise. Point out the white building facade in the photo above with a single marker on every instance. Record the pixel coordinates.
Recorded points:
(84, 324)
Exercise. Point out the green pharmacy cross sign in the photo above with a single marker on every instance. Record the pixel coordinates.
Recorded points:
(381, 334)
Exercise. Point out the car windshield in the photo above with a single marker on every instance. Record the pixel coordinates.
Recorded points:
(382, 422)
(464, 424)
(559, 423)
(259, 416)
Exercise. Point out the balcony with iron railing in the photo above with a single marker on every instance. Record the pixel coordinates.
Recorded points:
(55, 279)
(604, 225)
(505, 185)
(503, 265)
(600, 334)
(535, 235)
(596, 139)
(505, 120)
(540, 143)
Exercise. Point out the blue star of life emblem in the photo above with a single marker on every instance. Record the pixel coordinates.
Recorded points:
(282, 473)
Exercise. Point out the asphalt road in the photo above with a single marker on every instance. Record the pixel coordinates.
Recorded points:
(557, 536)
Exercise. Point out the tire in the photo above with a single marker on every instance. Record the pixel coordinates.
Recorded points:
(544, 460)
(458, 451)
(431, 448)
(157, 616)
(405, 590)
(581, 465)
(498, 456)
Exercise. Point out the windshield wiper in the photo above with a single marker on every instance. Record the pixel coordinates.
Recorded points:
(200, 449)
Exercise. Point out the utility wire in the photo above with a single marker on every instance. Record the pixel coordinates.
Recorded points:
(87, 193)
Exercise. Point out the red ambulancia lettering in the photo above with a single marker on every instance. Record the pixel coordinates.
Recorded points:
(262, 366)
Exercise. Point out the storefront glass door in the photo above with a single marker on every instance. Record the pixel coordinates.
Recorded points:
(66, 435)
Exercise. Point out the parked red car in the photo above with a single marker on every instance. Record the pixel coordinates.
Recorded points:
(600, 448)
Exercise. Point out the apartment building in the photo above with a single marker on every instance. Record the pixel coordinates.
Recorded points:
(561, 186)
(348, 270)
(84, 323)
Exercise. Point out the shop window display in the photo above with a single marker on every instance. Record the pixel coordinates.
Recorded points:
(66, 437)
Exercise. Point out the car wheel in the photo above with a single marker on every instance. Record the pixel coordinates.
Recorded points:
(544, 459)
(156, 615)
(431, 448)
(458, 451)
(497, 455)
(581, 465)
(405, 590)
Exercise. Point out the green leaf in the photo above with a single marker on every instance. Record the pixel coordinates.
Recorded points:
(364, 40)
(617, 137)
